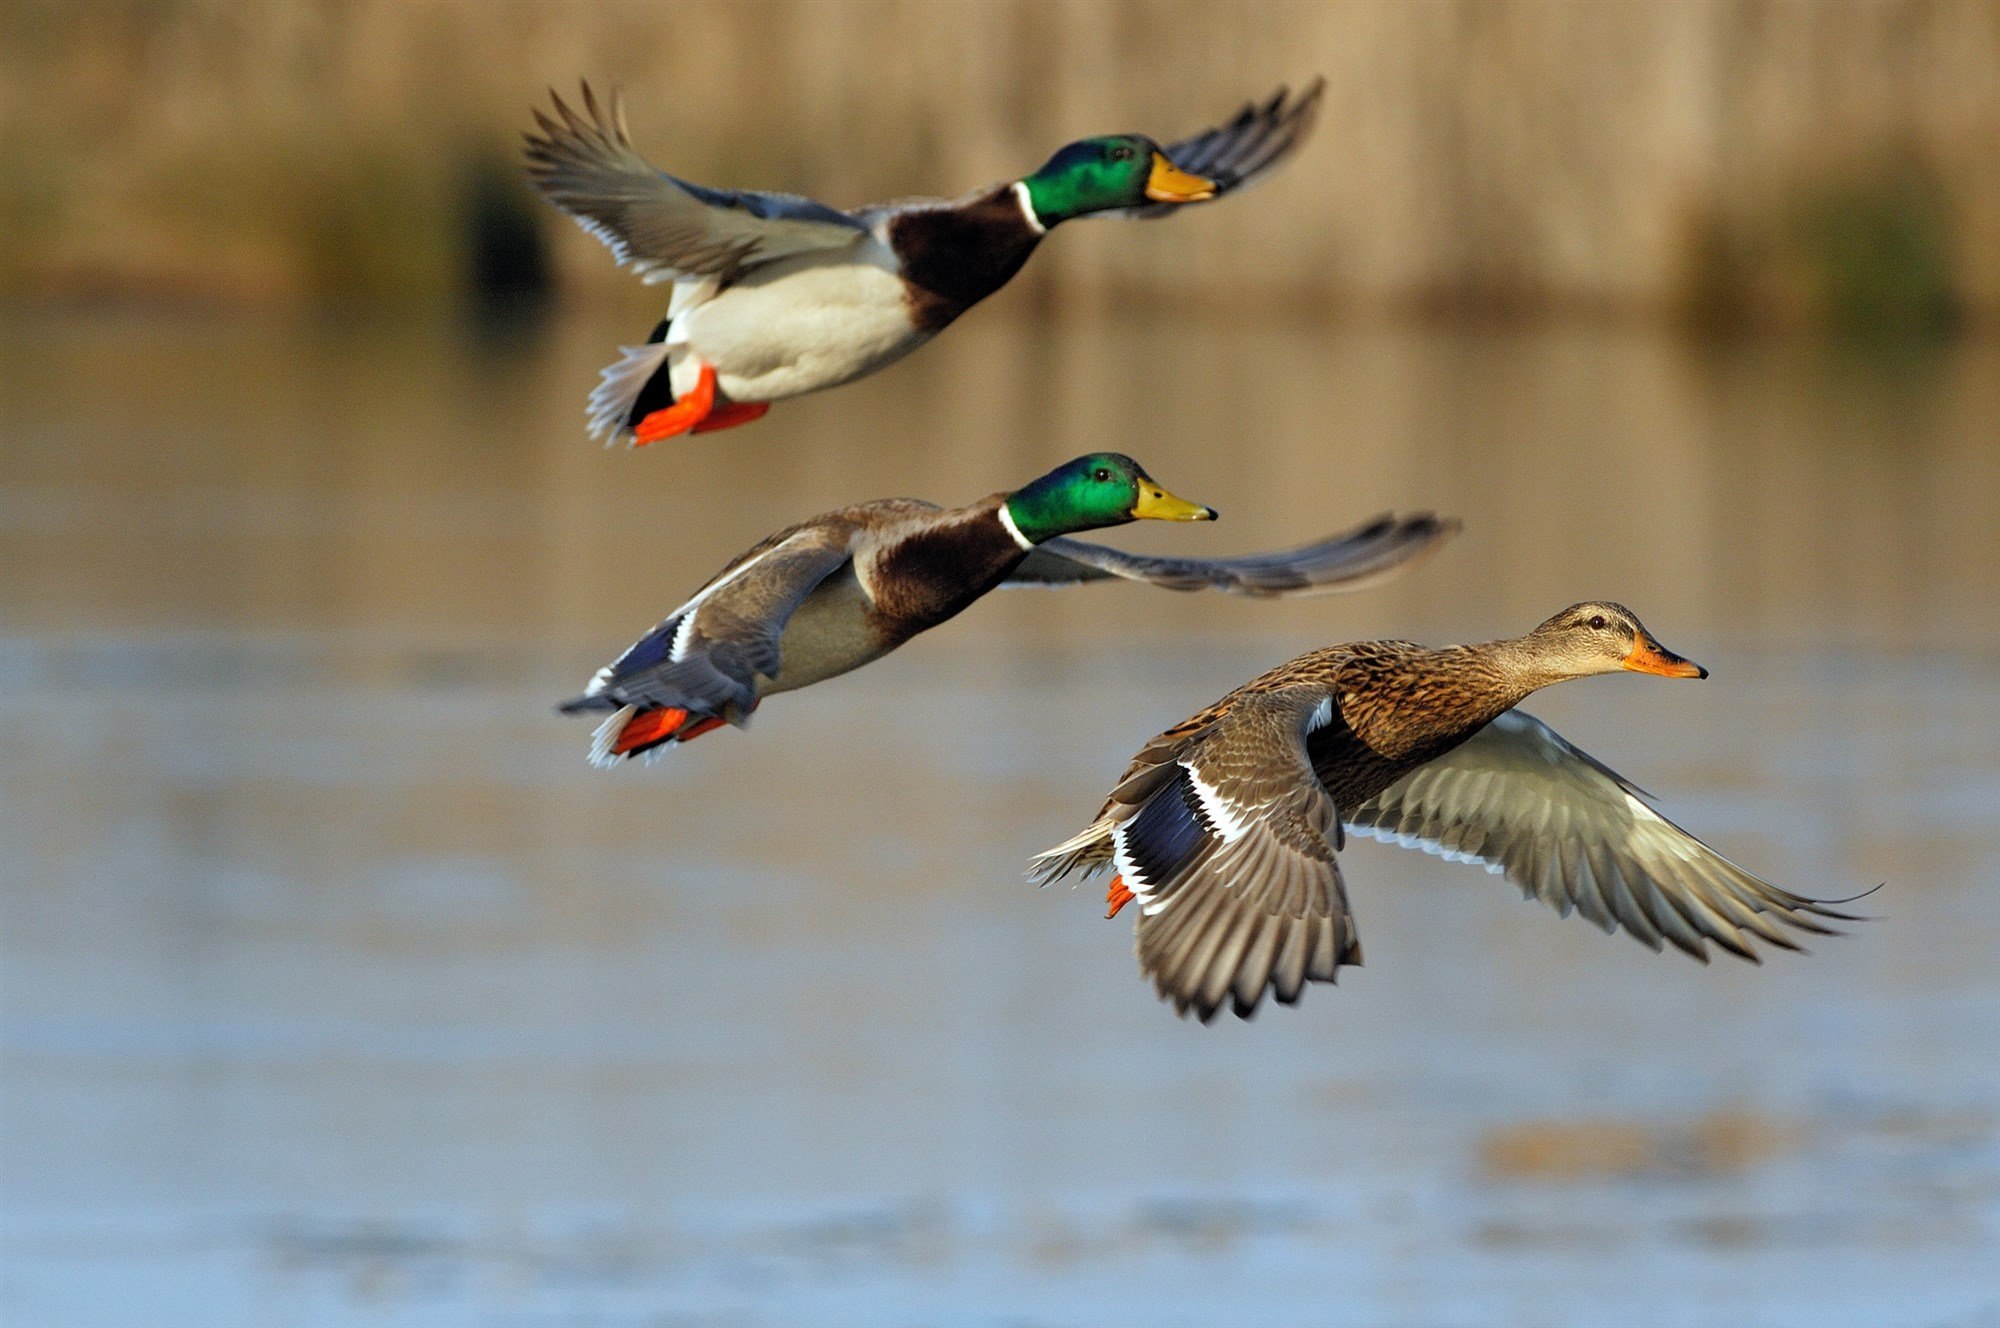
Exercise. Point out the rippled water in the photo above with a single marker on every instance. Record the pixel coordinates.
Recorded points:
(338, 990)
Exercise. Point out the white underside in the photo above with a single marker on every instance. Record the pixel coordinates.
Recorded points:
(797, 326)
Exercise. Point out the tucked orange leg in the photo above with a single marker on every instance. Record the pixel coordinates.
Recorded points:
(648, 727)
(683, 415)
(1117, 897)
(732, 413)
(712, 723)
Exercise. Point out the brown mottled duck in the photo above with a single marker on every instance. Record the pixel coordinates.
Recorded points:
(1224, 828)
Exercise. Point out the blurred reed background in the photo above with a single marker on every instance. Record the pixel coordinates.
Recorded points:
(1720, 161)
(336, 989)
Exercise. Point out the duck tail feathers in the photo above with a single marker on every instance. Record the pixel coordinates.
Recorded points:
(604, 751)
(1085, 852)
(616, 398)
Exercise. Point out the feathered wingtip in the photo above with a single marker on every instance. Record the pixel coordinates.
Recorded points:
(580, 162)
(1365, 557)
(1259, 136)
(597, 131)
(1085, 852)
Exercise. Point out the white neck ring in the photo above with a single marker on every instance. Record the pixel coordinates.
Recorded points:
(1007, 520)
(1028, 207)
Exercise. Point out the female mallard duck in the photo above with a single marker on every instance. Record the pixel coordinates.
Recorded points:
(845, 588)
(1224, 827)
(776, 295)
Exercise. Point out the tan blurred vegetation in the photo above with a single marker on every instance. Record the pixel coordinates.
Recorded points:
(1730, 160)
(1717, 1143)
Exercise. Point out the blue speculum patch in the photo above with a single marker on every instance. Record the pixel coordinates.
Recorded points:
(1166, 832)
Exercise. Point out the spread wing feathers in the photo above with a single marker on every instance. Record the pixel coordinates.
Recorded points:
(1241, 150)
(660, 226)
(707, 655)
(1224, 843)
(1519, 800)
(1349, 561)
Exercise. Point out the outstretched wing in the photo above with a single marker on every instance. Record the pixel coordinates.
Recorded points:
(1349, 561)
(1227, 852)
(1242, 149)
(707, 655)
(662, 227)
(1521, 801)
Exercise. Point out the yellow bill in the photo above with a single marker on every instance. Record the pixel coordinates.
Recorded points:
(1156, 504)
(1170, 184)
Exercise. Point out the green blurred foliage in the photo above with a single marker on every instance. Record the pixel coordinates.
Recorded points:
(1878, 252)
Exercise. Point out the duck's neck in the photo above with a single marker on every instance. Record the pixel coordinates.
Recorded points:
(1012, 525)
(1409, 703)
(955, 255)
(1049, 507)
(1502, 674)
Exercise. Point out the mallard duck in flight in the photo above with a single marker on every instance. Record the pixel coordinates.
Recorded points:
(835, 592)
(1224, 827)
(775, 295)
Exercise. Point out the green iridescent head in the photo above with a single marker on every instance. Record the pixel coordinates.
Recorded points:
(1103, 489)
(1100, 174)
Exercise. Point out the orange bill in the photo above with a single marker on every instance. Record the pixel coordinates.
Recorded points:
(1170, 184)
(1649, 656)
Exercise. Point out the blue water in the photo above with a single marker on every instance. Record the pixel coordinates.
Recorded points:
(336, 989)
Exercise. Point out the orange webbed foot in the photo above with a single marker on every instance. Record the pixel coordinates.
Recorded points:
(713, 722)
(1116, 896)
(646, 728)
(732, 413)
(699, 727)
(681, 417)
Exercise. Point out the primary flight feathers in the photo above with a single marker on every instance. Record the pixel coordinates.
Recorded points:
(660, 226)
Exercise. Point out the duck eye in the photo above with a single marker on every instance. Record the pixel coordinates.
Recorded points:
(1121, 153)
(1102, 475)
(1597, 622)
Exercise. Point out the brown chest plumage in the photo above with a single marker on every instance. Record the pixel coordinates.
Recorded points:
(934, 573)
(1398, 705)
(954, 257)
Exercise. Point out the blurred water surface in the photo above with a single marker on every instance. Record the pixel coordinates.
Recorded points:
(337, 989)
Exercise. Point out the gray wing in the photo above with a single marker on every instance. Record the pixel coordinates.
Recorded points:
(1240, 150)
(1228, 856)
(660, 226)
(1521, 801)
(707, 655)
(1350, 561)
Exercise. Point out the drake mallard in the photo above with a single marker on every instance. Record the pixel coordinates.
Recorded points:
(1224, 828)
(775, 295)
(844, 588)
